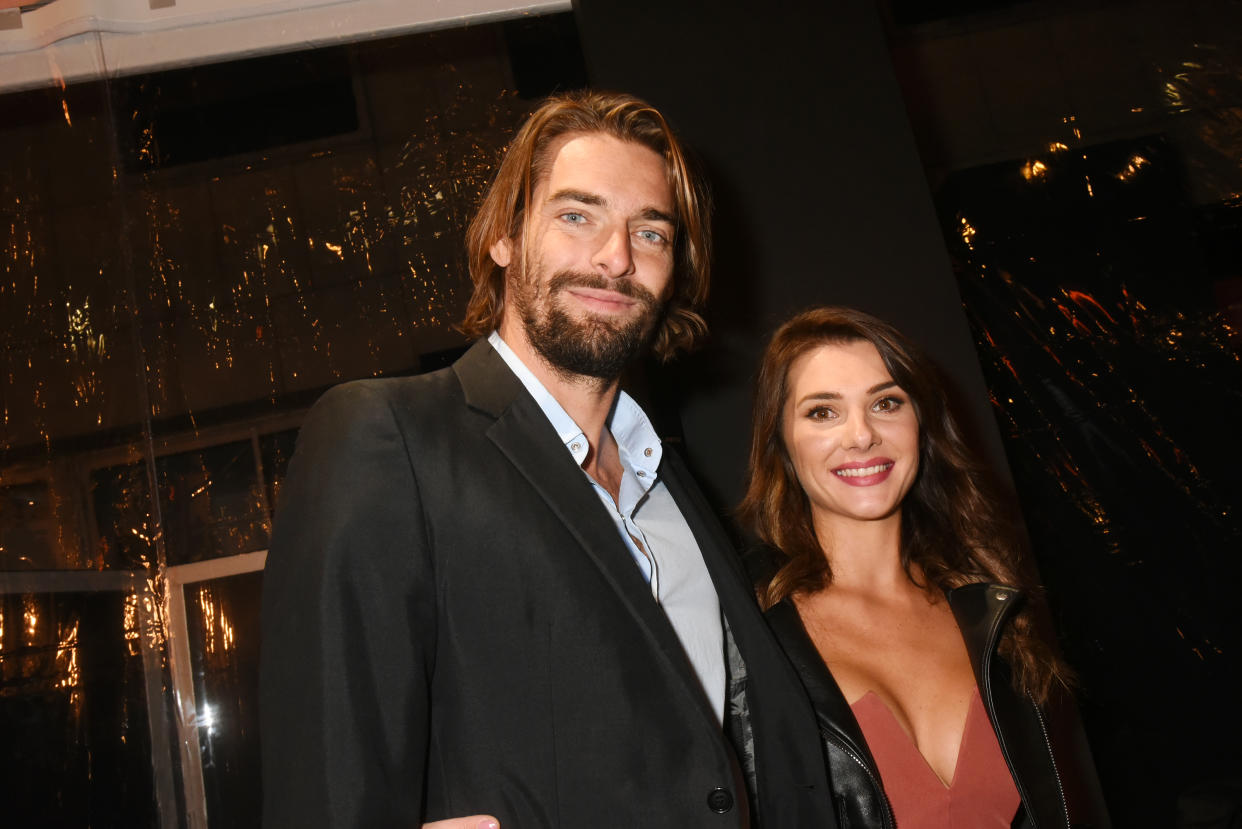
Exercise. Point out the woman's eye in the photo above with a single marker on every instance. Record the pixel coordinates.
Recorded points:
(888, 404)
(821, 413)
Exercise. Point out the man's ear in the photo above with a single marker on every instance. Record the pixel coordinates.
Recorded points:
(502, 252)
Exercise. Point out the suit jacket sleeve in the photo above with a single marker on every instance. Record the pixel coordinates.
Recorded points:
(348, 625)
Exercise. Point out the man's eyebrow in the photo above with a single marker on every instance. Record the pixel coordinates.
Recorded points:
(653, 215)
(580, 196)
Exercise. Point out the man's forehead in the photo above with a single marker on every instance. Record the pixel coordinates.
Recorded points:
(569, 171)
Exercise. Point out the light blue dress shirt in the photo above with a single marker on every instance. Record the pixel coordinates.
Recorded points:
(649, 522)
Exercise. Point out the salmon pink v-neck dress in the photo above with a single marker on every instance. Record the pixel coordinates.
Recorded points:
(980, 796)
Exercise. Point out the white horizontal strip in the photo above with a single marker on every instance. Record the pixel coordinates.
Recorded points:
(74, 40)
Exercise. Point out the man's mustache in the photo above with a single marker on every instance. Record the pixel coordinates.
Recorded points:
(625, 287)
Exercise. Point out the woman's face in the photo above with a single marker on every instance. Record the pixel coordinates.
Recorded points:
(851, 433)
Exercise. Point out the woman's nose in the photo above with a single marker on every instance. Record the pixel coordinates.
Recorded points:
(859, 433)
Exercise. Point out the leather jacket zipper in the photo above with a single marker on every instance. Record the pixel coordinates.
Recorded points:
(875, 781)
(1043, 728)
(998, 617)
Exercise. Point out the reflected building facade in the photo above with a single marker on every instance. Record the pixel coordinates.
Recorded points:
(190, 257)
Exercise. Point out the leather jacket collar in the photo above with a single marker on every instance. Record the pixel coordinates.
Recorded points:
(982, 611)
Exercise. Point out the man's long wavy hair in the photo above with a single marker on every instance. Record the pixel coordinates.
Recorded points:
(952, 530)
(503, 214)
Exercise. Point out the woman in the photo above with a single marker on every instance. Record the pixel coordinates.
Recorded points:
(898, 596)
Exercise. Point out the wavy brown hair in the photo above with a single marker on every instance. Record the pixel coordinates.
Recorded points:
(503, 212)
(952, 530)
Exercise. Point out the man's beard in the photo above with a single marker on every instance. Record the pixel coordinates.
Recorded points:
(594, 346)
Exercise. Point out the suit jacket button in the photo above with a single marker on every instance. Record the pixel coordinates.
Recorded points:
(719, 801)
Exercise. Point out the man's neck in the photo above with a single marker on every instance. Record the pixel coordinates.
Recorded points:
(588, 400)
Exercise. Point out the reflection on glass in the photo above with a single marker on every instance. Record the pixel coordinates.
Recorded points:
(276, 450)
(222, 618)
(1115, 372)
(123, 520)
(27, 527)
(73, 721)
(41, 522)
(187, 261)
(211, 503)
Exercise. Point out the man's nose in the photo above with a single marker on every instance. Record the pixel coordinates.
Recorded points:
(615, 257)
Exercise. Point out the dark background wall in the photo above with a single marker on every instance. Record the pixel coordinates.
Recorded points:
(800, 124)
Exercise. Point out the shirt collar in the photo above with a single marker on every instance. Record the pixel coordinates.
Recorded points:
(637, 440)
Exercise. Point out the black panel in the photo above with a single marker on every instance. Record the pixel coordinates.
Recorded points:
(226, 109)
(912, 12)
(545, 55)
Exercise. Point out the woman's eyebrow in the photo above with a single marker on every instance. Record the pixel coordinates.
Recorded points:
(833, 395)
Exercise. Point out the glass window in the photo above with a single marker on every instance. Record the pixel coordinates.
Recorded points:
(73, 711)
(222, 622)
(211, 503)
(27, 527)
(276, 450)
(193, 256)
(121, 499)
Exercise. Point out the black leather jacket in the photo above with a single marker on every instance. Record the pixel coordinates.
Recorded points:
(981, 611)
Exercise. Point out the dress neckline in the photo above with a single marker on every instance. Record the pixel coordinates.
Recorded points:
(872, 699)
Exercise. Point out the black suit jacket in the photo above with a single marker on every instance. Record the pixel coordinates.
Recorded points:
(452, 625)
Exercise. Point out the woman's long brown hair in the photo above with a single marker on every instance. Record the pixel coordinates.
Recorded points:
(952, 530)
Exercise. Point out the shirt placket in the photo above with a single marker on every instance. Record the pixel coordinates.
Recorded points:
(639, 539)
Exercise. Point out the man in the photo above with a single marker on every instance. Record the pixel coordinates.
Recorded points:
(491, 589)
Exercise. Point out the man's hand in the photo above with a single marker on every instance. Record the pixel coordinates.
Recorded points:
(473, 822)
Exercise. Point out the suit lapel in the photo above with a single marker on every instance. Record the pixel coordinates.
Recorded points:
(718, 552)
(522, 432)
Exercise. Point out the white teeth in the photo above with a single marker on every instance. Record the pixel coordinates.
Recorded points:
(862, 471)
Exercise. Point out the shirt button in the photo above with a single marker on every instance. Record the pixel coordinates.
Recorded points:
(719, 801)
(641, 474)
(647, 452)
(574, 447)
